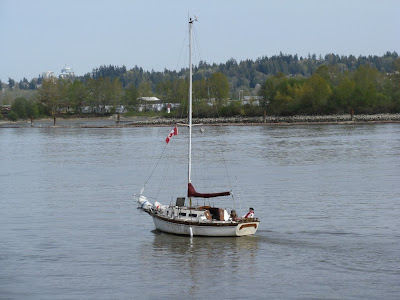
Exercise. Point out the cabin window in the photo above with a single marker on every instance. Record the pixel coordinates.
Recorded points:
(193, 215)
(182, 214)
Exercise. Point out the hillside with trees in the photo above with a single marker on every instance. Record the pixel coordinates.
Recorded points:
(288, 85)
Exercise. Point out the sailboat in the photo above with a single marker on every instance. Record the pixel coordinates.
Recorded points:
(194, 220)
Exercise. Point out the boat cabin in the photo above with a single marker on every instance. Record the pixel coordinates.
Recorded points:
(196, 214)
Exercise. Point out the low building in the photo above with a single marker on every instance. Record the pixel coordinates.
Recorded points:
(102, 109)
(150, 104)
(86, 109)
(120, 109)
(251, 100)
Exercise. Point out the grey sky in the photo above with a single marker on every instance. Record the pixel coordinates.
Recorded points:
(42, 35)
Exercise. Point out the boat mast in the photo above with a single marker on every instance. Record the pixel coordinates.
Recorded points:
(190, 102)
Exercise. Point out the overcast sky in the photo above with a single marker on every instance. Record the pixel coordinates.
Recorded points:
(43, 35)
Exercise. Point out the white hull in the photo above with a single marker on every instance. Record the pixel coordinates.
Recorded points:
(221, 229)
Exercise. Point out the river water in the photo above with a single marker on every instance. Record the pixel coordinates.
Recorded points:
(328, 197)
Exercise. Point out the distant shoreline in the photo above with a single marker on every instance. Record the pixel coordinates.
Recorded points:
(276, 120)
(111, 122)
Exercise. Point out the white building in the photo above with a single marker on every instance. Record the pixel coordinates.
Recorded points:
(67, 72)
(48, 74)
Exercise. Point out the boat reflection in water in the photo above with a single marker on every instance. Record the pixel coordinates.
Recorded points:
(196, 261)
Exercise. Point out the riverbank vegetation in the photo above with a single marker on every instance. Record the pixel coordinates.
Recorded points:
(330, 91)
(279, 85)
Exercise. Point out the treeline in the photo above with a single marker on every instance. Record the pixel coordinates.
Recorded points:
(244, 75)
(331, 91)
(247, 75)
(288, 84)
(67, 96)
(23, 84)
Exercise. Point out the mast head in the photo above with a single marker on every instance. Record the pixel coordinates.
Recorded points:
(192, 20)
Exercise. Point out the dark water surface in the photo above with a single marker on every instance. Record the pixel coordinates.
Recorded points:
(328, 197)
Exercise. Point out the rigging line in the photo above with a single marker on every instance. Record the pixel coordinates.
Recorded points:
(166, 168)
(144, 217)
(197, 45)
(240, 194)
(227, 174)
(183, 46)
(149, 165)
(162, 153)
(226, 168)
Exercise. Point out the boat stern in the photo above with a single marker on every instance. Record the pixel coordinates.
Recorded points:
(247, 228)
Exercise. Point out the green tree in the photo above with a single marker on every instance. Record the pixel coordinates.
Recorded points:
(78, 95)
(91, 88)
(201, 89)
(219, 86)
(180, 91)
(19, 107)
(396, 65)
(366, 90)
(315, 94)
(277, 94)
(63, 86)
(13, 116)
(286, 98)
(144, 89)
(269, 88)
(99, 91)
(131, 96)
(23, 84)
(49, 95)
(396, 86)
(164, 90)
(330, 73)
(344, 95)
(32, 84)
(11, 83)
(23, 108)
(180, 94)
(104, 91)
(395, 79)
(234, 108)
(116, 92)
(32, 109)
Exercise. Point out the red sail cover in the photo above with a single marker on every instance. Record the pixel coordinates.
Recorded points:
(192, 193)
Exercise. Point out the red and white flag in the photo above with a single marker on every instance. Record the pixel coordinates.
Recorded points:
(173, 132)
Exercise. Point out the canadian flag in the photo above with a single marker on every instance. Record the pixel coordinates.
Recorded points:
(173, 132)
